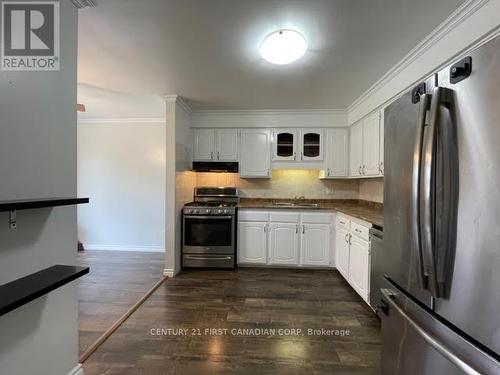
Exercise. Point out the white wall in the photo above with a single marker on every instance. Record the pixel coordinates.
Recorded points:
(121, 167)
(180, 180)
(38, 159)
(464, 29)
(102, 103)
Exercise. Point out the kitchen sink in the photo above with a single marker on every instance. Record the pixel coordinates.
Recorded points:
(296, 204)
(308, 205)
(283, 204)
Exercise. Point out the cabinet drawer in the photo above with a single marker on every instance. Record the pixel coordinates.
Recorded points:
(316, 218)
(360, 231)
(245, 215)
(284, 217)
(343, 222)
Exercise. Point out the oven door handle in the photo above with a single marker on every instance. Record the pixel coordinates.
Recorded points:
(208, 217)
(201, 257)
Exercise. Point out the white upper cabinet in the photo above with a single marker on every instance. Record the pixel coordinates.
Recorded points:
(216, 144)
(315, 245)
(227, 144)
(204, 145)
(311, 145)
(285, 145)
(356, 150)
(337, 146)
(255, 149)
(298, 145)
(371, 145)
(284, 243)
(366, 142)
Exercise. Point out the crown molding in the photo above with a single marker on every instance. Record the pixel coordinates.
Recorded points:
(269, 112)
(125, 120)
(84, 3)
(466, 10)
(178, 100)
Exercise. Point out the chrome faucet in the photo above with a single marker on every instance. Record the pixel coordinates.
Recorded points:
(297, 198)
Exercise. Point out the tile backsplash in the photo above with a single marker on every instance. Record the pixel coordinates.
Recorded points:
(372, 190)
(284, 184)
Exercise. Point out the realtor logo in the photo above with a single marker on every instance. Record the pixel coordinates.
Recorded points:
(30, 35)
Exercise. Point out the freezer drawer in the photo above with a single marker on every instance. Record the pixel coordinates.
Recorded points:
(417, 343)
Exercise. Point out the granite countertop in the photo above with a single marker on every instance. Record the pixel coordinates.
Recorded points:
(371, 212)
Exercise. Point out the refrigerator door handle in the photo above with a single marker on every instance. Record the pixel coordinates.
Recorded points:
(389, 299)
(415, 203)
(428, 220)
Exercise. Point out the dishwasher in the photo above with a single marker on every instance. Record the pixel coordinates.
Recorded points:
(377, 272)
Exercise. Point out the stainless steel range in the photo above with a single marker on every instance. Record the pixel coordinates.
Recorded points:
(209, 228)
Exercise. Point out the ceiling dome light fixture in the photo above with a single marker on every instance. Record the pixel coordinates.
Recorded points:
(283, 47)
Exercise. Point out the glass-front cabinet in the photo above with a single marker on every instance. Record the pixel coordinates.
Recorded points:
(285, 145)
(311, 145)
(298, 145)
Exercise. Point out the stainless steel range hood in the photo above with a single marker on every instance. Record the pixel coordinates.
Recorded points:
(215, 166)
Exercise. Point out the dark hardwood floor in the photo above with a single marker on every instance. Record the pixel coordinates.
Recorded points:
(116, 281)
(246, 299)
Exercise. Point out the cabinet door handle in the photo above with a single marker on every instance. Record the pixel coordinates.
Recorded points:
(268, 171)
(346, 237)
(294, 156)
(297, 229)
(328, 172)
(301, 156)
(218, 158)
(381, 167)
(211, 155)
(364, 167)
(350, 236)
(359, 169)
(303, 229)
(357, 230)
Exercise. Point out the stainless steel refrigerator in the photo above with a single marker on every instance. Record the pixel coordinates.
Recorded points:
(440, 305)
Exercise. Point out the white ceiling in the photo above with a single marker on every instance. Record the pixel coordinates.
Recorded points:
(206, 50)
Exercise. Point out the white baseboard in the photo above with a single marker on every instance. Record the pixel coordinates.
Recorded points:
(78, 370)
(169, 272)
(155, 249)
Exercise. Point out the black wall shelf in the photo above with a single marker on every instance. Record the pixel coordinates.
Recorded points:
(26, 204)
(21, 291)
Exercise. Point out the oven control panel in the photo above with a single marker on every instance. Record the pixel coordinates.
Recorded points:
(209, 211)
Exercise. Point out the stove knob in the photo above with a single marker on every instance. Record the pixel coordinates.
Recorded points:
(207, 210)
(219, 211)
(226, 211)
(195, 211)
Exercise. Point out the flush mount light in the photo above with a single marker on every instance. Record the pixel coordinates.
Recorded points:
(283, 47)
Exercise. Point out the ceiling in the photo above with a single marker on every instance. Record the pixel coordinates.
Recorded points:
(206, 50)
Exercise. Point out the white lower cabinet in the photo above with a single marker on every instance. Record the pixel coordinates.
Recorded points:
(359, 266)
(352, 248)
(252, 242)
(342, 251)
(283, 244)
(293, 239)
(315, 244)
